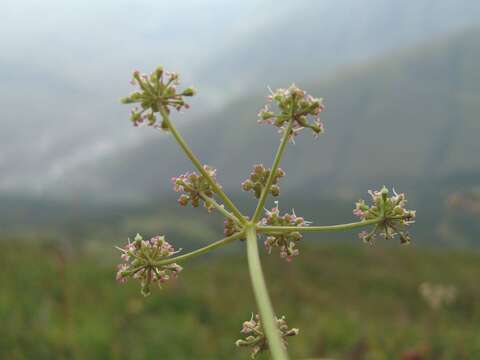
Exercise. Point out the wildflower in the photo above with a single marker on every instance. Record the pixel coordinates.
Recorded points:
(195, 188)
(255, 335)
(285, 241)
(258, 179)
(296, 105)
(159, 89)
(438, 295)
(395, 218)
(141, 258)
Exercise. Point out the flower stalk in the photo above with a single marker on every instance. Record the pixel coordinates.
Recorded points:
(201, 251)
(188, 152)
(219, 207)
(273, 171)
(325, 228)
(262, 298)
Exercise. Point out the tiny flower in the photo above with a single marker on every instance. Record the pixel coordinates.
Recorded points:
(255, 336)
(438, 295)
(257, 181)
(195, 188)
(296, 105)
(285, 241)
(141, 258)
(395, 218)
(159, 89)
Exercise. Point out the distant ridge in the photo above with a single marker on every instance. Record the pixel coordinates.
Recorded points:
(410, 118)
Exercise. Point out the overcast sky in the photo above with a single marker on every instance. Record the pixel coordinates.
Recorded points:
(65, 63)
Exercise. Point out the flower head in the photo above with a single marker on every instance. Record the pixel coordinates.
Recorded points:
(159, 89)
(195, 188)
(258, 180)
(391, 209)
(296, 105)
(140, 261)
(255, 335)
(285, 241)
(231, 227)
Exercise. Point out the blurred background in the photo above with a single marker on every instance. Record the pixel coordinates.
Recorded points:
(401, 84)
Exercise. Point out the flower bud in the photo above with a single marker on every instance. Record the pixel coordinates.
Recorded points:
(258, 178)
(183, 200)
(275, 190)
(189, 92)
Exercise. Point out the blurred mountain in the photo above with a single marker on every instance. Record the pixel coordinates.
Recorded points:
(319, 36)
(63, 66)
(409, 120)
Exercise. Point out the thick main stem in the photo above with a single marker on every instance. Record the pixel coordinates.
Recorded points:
(273, 170)
(217, 189)
(262, 298)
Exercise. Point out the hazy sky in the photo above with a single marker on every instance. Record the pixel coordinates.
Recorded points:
(64, 64)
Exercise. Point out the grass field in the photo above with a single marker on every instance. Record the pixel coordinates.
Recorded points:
(349, 301)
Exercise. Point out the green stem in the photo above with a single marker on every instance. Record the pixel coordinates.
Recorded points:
(217, 189)
(217, 206)
(262, 298)
(273, 170)
(201, 251)
(326, 228)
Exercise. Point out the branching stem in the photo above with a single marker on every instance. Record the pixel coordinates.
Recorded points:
(201, 251)
(273, 170)
(217, 189)
(217, 206)
(326, 228)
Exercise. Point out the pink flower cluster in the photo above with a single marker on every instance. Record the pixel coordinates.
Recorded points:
(159, 89)
(296, 105)
(141, 261)
(285, 241)
(255, 335)
(395, 218)
(230, 227)
(258, 180)
(195, 188)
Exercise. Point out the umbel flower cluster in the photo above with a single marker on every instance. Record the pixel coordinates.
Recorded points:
(290, 110)
(255, 335)
(156, 91)
(258, 179)
(195, 187)
(142, 261)
(293, 103)
(285, 241)
(391, 209)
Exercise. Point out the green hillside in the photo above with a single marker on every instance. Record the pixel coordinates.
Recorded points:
(409, 120)
(349, 302)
